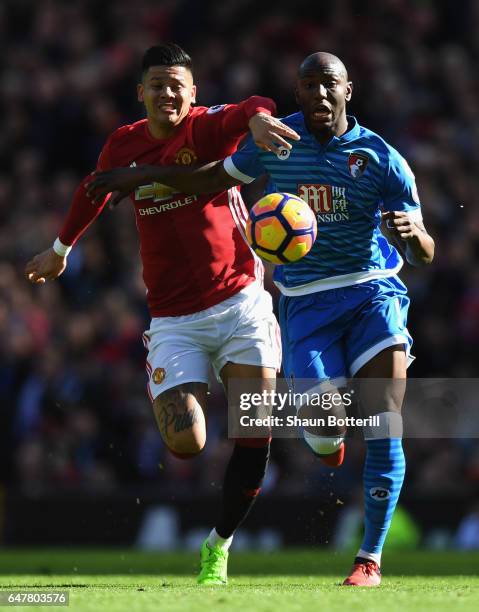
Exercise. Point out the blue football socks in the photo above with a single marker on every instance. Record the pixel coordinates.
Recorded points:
(383, 477)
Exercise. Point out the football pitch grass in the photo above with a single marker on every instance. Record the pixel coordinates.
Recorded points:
(114, 580)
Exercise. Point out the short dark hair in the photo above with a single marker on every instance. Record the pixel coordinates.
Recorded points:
(167, 54)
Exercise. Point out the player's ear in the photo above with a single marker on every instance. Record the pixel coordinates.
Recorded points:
(349, 90)
(139, 92)
(296, 95)
(193, 94)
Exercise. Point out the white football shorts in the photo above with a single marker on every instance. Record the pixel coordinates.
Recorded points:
(241, 329)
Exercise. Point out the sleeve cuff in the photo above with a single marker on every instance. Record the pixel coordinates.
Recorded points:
(233, 171)
(61, 249)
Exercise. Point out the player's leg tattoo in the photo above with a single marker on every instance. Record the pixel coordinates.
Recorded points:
(172, 415)
(180, 416)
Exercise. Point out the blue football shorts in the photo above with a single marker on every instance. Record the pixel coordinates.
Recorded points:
(332, 334)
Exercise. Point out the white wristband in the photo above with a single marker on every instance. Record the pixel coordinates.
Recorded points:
(60, 248)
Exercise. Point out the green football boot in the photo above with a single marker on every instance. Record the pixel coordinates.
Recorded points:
(214, 565)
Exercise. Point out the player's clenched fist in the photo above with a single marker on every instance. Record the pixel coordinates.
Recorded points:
(402, 225)
(45, 266)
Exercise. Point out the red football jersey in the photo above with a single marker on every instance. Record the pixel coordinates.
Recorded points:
(192, 247)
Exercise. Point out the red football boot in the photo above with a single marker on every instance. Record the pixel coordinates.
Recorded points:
(334, 459)
(366, 574)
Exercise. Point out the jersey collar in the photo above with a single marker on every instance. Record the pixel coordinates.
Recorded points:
(352, 133)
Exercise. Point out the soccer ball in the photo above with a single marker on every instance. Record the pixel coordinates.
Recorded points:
(281, 228)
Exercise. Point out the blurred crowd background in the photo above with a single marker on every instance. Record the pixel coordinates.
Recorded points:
(74, 410)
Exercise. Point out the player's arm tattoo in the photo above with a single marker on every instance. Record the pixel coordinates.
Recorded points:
(172, 415)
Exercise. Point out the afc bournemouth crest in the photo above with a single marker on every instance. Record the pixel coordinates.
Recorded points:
(185, 157)
(357, 163)
(158, 375)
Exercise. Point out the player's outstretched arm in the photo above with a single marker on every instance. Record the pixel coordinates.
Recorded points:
(49, 264)
(209, 178)
(52, 262)
(411, 237)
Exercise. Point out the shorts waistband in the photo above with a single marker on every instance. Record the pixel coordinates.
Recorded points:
(254, 288)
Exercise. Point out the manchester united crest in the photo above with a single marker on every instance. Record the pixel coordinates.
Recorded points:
(357, 163)
(158, 375)
(185, 157)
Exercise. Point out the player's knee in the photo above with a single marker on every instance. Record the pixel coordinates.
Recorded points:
(185, 445)
(322, 445)
(188, 448)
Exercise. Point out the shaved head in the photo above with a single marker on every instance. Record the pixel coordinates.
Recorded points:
(320, 62)
(322, 91)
